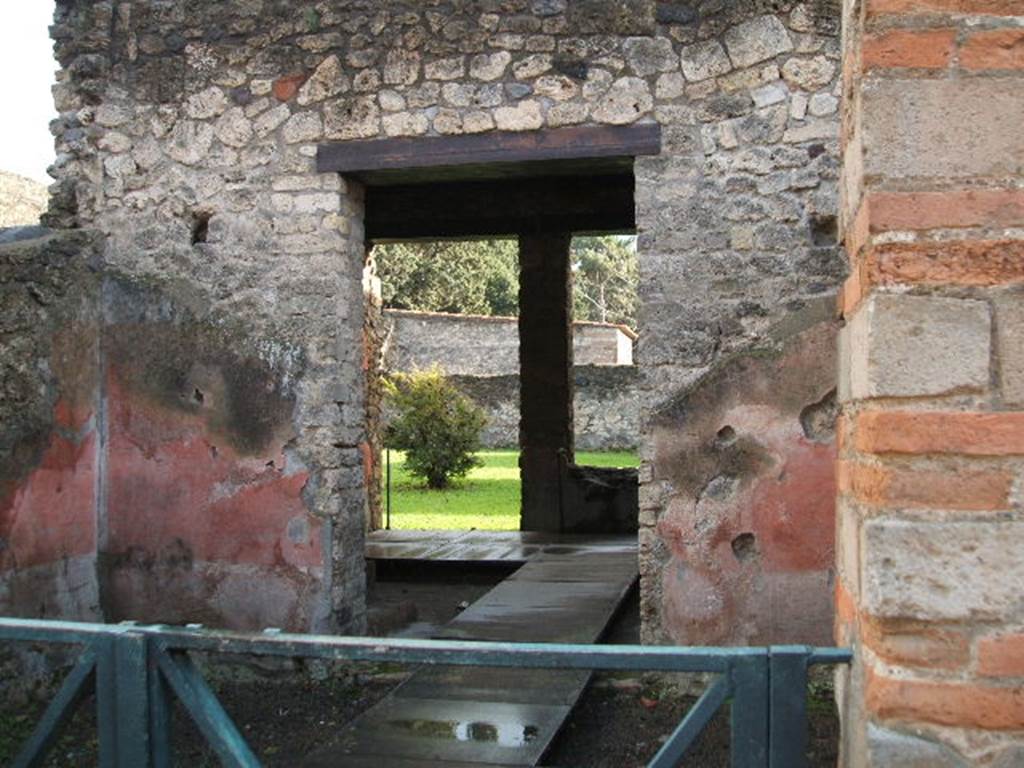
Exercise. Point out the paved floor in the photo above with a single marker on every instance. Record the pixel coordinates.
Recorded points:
(567, 590)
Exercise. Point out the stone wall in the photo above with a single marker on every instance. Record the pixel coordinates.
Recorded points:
(476, 345)
(931, 522)
(736, 224)
(49, 425)
(186, 137)
(482, 356)
(151, 468)
(606, 407)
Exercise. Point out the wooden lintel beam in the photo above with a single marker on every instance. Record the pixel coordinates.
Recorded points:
(553, 144)
(500, 208)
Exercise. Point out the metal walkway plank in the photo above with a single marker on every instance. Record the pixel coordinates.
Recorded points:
(567, 590)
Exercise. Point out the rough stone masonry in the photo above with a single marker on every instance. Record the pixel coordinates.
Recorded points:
(226, 480)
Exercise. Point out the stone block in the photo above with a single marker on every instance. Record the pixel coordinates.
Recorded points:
(956, 128)
(702, 61)
(489, 66)
(649, 56)
(627, 100)
(1010, 347)
(757, 40)
(328, 80)
(938, 571)
(909, 346)
(892, 749)
(525, 116)
(809, 74)
(611, 17)
(302, 126)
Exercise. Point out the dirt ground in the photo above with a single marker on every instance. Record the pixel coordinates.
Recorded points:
(614, 727)
(286, 710)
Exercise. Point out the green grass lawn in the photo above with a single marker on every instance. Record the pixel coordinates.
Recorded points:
(488, 499)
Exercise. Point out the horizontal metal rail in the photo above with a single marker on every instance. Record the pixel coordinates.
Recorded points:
(134, 669)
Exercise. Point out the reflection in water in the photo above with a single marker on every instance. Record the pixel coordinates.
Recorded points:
(504, 734)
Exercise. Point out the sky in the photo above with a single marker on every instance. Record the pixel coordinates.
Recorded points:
(26, 59)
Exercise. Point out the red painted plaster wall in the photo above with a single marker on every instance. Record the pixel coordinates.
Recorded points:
(197, 531)
(743, 553)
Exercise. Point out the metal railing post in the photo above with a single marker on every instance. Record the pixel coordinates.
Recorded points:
(132, 709)
(749, 713)
(160, 704)
(787, 736)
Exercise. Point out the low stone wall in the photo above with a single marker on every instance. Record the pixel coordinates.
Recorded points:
(475, 345)
(607, 407)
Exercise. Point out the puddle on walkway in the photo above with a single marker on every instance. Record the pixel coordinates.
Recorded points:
(507, 733)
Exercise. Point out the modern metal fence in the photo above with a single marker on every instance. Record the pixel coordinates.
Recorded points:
(135, 670)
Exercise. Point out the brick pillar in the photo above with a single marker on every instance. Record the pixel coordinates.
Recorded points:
(545, 375)
(930, 546)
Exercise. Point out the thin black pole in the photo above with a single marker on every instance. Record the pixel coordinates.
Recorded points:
(387, 453)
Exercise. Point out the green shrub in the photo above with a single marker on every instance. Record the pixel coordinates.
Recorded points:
(436, 425)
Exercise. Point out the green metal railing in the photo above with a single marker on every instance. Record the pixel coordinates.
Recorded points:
(134, 670)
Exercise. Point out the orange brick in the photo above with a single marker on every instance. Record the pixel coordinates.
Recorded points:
(978, 262)
(859, 231)
(916, 644)
(918, 49)
(1001, 655)
(970, 434)
(959, 208)
(955, 704)
(286, 87)
(972, 490)
(994, 49)
(852, 293)
(368, 461)
(845, 615)
(988, 7)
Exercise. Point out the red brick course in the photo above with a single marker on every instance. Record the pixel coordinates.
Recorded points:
(956, 208)
(959, 262)
(987, 7)
(916, 644)
(1001, 655)
(994, 49)
(944, 703)
(970, 434)
(964, 489)
(918, 49)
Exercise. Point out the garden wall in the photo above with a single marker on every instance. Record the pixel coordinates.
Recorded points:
(606, 407)
(475, 345)
(482, 356)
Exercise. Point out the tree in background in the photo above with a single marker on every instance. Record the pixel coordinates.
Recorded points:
(465, 277)
(437, 426)
(605, 277)
(482, 277)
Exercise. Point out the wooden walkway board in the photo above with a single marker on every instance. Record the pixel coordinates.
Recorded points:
(481, 547)
(549, 601)
(567, 591)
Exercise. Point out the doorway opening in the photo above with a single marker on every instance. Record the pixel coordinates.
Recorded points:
(541, 188)
(450, 308)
